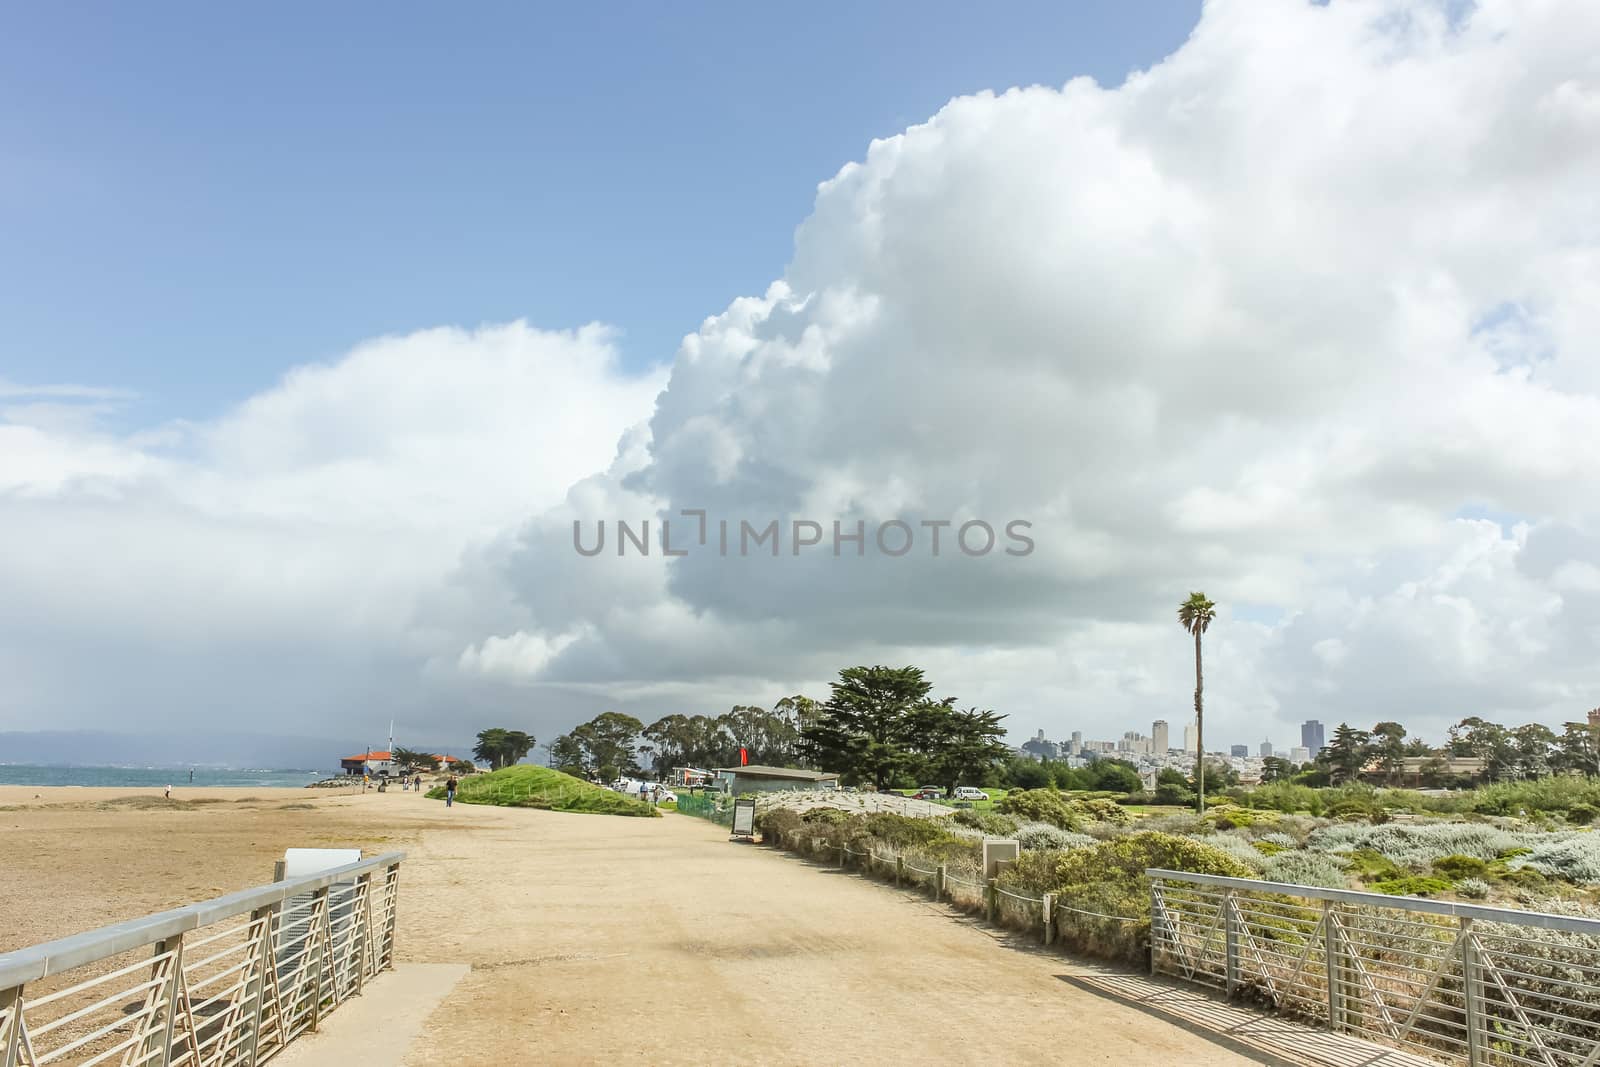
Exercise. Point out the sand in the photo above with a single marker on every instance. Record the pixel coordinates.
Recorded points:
(596, 939)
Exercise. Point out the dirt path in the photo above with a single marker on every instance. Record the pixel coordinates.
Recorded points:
(606, 940)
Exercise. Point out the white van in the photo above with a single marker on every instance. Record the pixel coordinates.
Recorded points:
(967, 792)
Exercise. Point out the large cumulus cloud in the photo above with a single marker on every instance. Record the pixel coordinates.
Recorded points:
(1276, 318)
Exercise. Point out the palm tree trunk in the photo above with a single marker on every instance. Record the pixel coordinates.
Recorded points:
(1199, 727)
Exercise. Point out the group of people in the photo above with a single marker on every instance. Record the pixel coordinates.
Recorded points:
(649, 794)
(408, 784)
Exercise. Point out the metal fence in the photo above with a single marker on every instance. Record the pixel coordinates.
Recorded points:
(717, 807)
(1462, 983)
(225, 982)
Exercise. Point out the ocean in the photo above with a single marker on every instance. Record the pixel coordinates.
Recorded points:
(157, 777)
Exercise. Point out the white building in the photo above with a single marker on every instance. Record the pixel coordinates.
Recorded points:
(1160, 740)
(1191, 738)
(1300, 754)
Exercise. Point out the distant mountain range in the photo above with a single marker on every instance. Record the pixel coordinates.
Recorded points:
(97, 748)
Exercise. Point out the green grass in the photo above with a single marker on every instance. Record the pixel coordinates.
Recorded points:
(525, 786)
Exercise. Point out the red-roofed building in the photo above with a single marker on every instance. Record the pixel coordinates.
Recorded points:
(378, 763)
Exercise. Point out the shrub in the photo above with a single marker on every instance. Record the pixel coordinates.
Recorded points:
(1059, 809)
(1109, 878)
(1238, 848)
(1458, 867)
(1278, 839)
(989, 822)
(1176, 795)
(1413, 885)
(1473, 888)
(1582, 814)
(1306, 868)
(1267, 848)
(1572, 856)
(1419, 844)
(1038, 836)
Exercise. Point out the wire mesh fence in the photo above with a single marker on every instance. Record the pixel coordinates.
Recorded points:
(714, 807)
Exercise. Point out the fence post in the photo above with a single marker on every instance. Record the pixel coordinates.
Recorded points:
(844, 857)
(1330, 959)
(1049, 910)
(1157, 922)
(938, 884)
(994, 899)
(1469, 990)
(174, 983)
(1230, 924)
(899, 869)
(266, 957)
(319, 911)
(11, 1036)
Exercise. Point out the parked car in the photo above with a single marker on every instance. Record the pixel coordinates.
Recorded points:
(925, 795)
(967, 792)
(936, 791)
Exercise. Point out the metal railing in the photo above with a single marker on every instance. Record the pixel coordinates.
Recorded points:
(1462, 983)
(225, 982)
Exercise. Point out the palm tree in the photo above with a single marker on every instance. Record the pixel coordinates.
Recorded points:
(1195, 614)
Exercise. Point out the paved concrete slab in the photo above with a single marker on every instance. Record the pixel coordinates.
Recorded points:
(380, 1025)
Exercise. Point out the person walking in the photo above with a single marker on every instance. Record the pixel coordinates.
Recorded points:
(450, 791)
(169, 792)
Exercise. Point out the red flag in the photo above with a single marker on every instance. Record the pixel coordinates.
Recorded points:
(744, 757)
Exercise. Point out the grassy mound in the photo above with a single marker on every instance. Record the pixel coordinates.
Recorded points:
(525, 786)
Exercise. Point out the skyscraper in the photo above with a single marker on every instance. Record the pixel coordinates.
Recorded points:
(1311, 736)
(1191, 738)
(1240, 750)
(1159, 741)
(1266, 749)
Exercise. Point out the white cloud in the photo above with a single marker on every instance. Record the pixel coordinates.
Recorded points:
(1266, 320)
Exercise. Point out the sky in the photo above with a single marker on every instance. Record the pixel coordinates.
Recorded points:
(321, 332)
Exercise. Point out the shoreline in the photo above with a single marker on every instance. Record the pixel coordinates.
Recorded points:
(40, 795)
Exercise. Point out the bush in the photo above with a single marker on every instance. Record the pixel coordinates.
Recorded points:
(1277, 839)
(1237, 847)
(1041, 805)
(1459, 867)
(1582, 814)
(1573, 856)
(1473, 888)
(1418, 845)
(1175, 795)
(988, 822)
(1413, 885)
(1306, 868)
(1039, 836)
(1109, 878)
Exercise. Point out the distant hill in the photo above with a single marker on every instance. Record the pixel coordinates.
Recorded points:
(98, 748)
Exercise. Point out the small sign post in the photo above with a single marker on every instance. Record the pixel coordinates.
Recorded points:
(744, 818)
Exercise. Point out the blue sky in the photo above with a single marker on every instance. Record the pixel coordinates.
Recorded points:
(196, 197)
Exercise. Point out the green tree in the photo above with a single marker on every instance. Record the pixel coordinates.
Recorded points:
(1535, 744)
(1115, 776)
(1578, 749)
(864, 729)
(1195, 616)
(1488, 742)
(407, 757)
(1347, 755)
(609, 743)
(566, 754)
(1274, 769)
(957, 747)
(501, 748)
(1389, 746)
